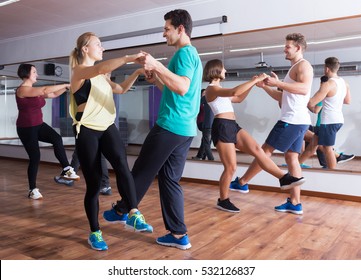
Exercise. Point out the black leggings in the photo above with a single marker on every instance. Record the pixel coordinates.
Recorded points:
(30, 137)
(90, 144)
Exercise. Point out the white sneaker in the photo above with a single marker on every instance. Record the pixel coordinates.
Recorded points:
(69, 173)
(35, 194)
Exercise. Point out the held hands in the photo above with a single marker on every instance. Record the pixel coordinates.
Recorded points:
(272, 81)
(149, 62)
(134, 57)
(260, 79)
(150, 77)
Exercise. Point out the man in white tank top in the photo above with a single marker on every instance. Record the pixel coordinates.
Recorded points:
(333, 94)
(287, 134)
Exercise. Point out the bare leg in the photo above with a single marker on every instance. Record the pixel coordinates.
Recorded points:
(255, 168)
(227, 153)
(310, 149)
(296, 171)
(330, 157)
(247, 144)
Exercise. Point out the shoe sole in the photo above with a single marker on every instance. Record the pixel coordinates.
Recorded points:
(227, 210)
(346, 160)
(290, 211)
(131, 228)
(114, 222)
(97, 249)
(175, 245)
(241, 191)
(294, 184)
(39, 198)
(106, 193)
(69, 183)
(67, 178)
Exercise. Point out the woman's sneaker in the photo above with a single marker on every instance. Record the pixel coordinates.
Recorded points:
(35, 194)
(227, 205)
(96, 241)
(136, 222)
(69, 174)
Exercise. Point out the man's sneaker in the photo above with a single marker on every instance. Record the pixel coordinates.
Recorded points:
(35, 194)
(343, 158)
(288, 182)
(289, 207)
(60, 180)
(227, 205)
(68, 173)
(136, 222)
(112, 216)
(171, 241)
(96, 241)
(106, 190)
(237, 187)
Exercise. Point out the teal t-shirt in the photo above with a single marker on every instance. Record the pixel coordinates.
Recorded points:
(178, 113)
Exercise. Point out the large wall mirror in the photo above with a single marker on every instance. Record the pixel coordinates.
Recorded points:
(244, 55)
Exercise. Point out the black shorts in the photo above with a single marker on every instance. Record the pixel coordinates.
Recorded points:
(224, 130)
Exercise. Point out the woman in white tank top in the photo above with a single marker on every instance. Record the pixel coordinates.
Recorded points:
(227, 136)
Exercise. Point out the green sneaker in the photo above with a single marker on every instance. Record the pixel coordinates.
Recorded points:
(136, 222)
(96, 241)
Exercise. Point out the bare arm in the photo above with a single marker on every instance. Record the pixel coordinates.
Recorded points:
(302, 75)
(319, 96)
(176, 83)
(347, 99)
(83, 72)
(46, 91)
(124, 86)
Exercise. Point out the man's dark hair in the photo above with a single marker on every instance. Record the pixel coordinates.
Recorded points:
(332, 63)
(298, 39)
(180, 17)
(24, 70)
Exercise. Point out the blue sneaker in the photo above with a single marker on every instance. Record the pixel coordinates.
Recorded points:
(112, 216)
(302, 165)
(171, 241)
(236, 186)
(96, 241)
(136, 222)
(289, 207)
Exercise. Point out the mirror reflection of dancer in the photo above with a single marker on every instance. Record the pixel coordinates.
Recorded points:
(288, 133)
(31, 128)
(93, 112)
(228, 136)
(333, 93)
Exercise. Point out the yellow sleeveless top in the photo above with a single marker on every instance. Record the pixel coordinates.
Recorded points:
(99, 112)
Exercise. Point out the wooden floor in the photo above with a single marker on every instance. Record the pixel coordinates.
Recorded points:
(56, 227)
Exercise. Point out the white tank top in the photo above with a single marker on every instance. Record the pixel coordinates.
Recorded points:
(221, 105)
(332, 106)
(294, 106)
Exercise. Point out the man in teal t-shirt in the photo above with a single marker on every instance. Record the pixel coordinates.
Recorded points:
(164, 151)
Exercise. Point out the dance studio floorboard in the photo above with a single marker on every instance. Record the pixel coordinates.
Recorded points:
(56, 228)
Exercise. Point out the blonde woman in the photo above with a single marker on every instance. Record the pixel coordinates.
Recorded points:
(227, 136)
(93, 113)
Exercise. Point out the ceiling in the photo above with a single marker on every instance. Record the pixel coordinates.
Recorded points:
(33, 16)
